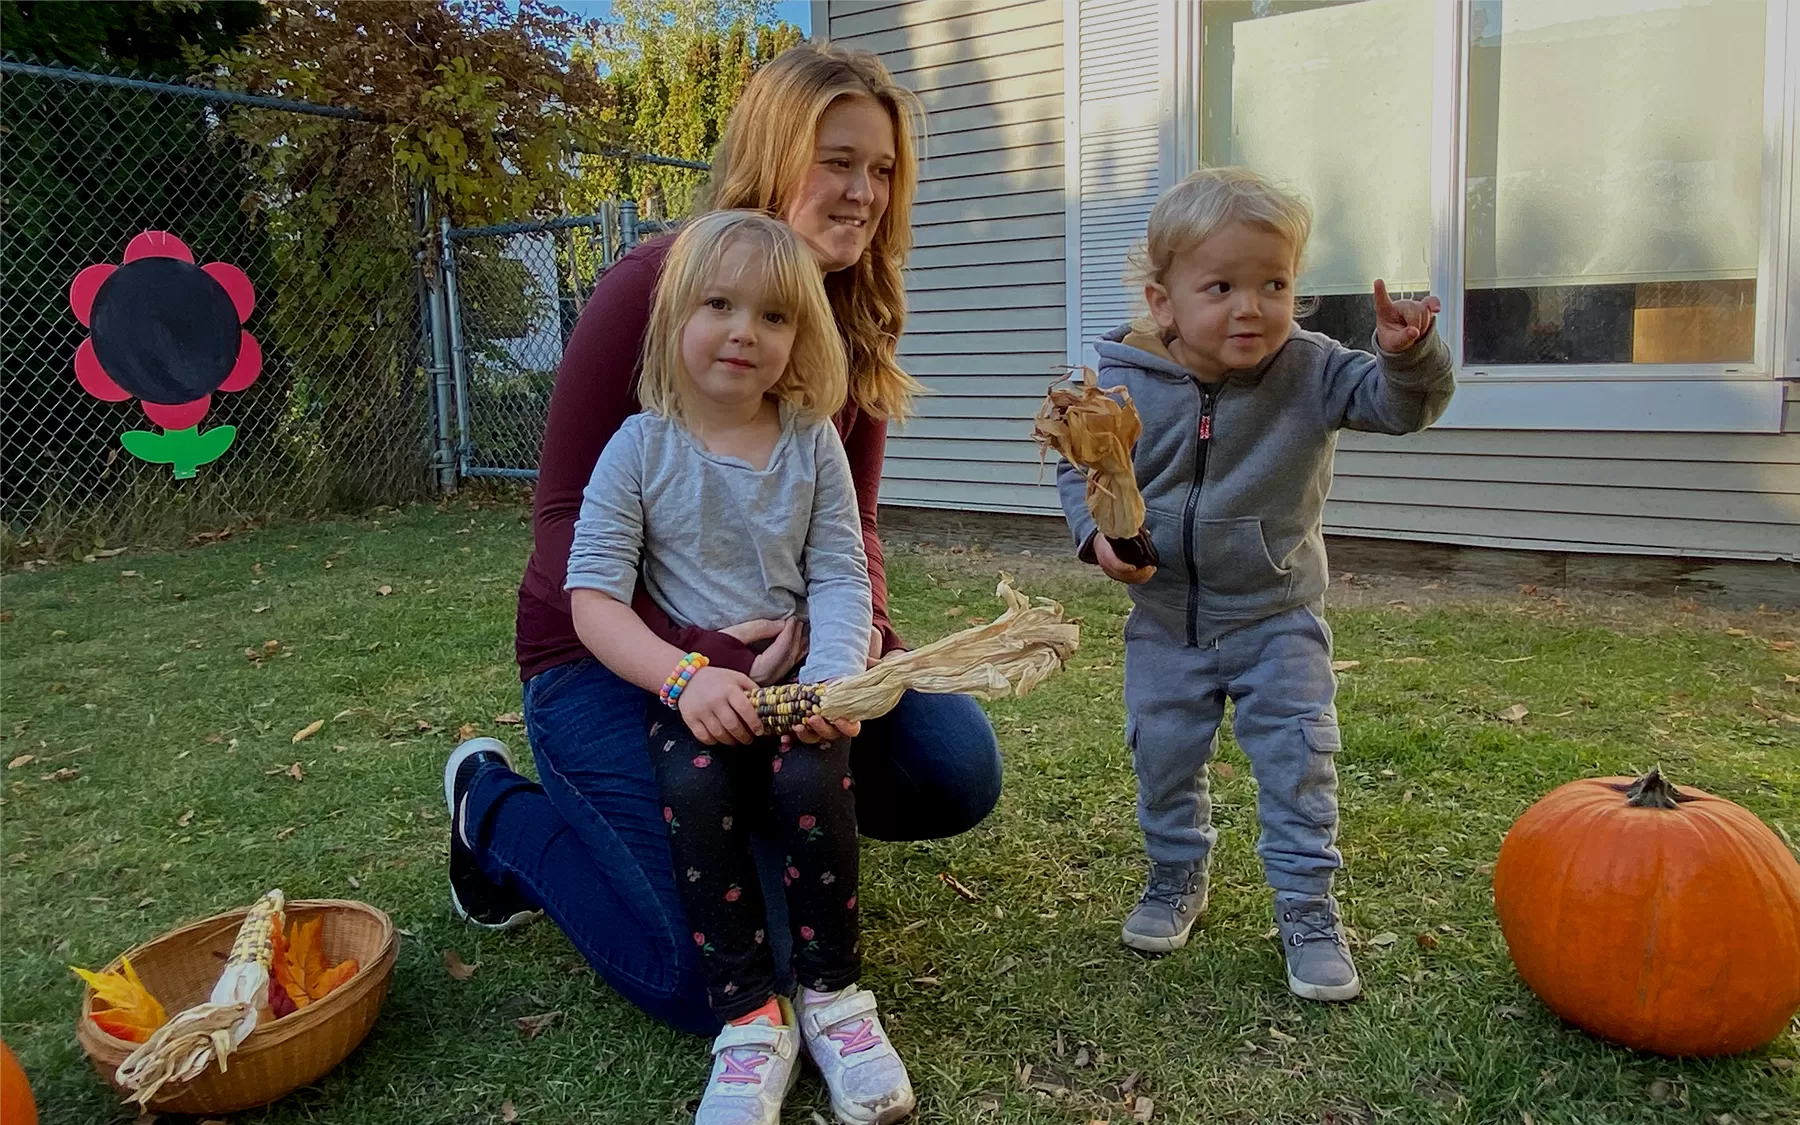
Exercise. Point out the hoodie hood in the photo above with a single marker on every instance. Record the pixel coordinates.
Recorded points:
(1128, 346)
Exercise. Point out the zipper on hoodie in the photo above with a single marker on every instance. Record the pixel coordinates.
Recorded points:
(1209, 396)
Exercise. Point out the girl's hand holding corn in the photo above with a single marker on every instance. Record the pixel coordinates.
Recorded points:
(716, 706)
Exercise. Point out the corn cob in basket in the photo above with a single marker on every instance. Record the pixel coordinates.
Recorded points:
(180, 1049)
(1010, 655)
(1096, 431)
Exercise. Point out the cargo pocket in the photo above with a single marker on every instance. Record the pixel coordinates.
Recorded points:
(1317, 797)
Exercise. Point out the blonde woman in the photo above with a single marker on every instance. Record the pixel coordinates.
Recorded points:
(822, 138)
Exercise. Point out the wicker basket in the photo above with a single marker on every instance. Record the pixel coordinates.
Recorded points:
(281, 1055)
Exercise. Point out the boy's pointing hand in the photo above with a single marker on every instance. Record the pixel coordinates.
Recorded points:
(1401, 324)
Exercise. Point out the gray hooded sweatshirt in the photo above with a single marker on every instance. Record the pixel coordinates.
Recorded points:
(1234, 473)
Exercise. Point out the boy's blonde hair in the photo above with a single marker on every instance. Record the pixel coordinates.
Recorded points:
(816, 381)
(762, 158)
(1200, 206)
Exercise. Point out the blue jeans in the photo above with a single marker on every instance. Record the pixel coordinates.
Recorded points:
(589, 844)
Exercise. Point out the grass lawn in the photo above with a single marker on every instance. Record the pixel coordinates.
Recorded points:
(158, 791)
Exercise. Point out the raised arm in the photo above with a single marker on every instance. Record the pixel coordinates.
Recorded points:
(1403, 387)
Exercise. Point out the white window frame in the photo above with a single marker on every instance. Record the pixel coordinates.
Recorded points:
(1719, 398)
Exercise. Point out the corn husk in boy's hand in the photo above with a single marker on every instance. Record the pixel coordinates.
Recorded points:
(131, 1013)
(1010, 655)
(1096, 431)
(181, 1048)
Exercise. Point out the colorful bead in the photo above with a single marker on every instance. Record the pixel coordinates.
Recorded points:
(678, 679)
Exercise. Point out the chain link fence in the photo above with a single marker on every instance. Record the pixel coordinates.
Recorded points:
(397, 353)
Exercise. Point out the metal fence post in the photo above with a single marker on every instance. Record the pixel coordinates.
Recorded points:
(459, 375)
(627, 225)
(444, 456)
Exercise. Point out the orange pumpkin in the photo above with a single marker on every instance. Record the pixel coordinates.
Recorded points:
(1665, 919)
(17, 1106)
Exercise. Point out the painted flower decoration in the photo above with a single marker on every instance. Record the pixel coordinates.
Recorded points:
(169, 334)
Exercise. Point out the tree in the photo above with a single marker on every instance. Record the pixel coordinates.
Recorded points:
(673, 70)
(156, 38)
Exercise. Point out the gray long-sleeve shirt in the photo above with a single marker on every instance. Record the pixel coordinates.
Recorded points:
(718, 541)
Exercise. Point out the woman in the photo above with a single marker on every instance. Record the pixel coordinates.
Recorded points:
(822, 137)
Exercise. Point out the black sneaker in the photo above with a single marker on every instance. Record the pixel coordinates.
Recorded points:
(473, 896)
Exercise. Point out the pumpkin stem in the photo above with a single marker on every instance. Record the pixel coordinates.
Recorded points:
(1654, 791)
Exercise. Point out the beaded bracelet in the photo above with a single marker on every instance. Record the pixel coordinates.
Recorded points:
(678, 679)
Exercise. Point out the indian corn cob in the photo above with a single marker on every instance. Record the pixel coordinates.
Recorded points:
(180, 1049)
(1009, 655)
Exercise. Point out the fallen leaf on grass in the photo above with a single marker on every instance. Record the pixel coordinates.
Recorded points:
(21, 760)
(215, 737)
(309, 730)
(384, 591)
(1281, 1036)
(1383, 940)
(65, 774)
(962, 892)
(1514, 714)
(1737, 632)
(355, 883)
(508, 1114)
(1406, 660)
(1427, 941)
(1225, 770)
(453, 964)
(271, 647)
(285, 833)
(1406, 797)
(466, 732)
(510, 719)
(110, 553)
(1787, 679)
(294, 771)
(1345, 665)
(264, 608)
(185, 819)
(533, 1026)
(1143, 1109)
(1782, 646)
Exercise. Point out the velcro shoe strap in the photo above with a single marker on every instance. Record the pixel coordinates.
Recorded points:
(846, 1007)
(757, 1036)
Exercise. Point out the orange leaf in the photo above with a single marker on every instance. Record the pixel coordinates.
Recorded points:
(118, 1028)
(281, 968)
(333, 977)
(306, 950)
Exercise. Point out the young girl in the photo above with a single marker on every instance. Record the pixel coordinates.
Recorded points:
(731, 497)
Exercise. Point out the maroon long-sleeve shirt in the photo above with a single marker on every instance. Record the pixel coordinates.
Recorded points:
(596, 390)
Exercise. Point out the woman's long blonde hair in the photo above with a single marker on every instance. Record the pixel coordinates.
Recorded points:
(767, 147)
(815, 383)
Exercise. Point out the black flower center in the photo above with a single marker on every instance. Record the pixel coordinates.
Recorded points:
(165, 330)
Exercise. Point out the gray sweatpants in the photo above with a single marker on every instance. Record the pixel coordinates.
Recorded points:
(1277, 674)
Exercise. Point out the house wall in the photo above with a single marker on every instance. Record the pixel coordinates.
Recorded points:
(987, 328)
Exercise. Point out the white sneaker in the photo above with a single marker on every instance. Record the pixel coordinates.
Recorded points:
(867, 1080)
(755, 1067)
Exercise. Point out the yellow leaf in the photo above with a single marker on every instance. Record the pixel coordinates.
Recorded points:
(309, 730)
(127, 1000)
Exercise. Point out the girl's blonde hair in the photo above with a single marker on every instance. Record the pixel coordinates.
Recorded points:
(815, 383)
(1198, 207)
(766, 150)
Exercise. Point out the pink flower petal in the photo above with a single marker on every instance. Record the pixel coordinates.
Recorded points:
(248, 366)
(93, 378)
(85, 287)
(236, 284)
(179, 416)
(157, 244)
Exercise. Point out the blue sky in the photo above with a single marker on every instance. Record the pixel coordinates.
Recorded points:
(796, 12)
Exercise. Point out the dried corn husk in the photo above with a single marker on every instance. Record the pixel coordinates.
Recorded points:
(180, 1049)
(1010, 655)
(1095, 431)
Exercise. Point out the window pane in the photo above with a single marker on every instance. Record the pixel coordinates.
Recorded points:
(1335, 99)
(1614, 191)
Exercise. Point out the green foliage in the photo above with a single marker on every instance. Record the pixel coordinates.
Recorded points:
(154, 38)
(673, 70)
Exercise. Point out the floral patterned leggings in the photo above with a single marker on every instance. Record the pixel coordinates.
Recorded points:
(713, 796)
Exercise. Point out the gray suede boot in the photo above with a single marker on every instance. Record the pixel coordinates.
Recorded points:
(1318, 953)
(1172, 902)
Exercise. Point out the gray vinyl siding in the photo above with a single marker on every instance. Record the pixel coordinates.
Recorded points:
(986, 330)
(986, 305)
